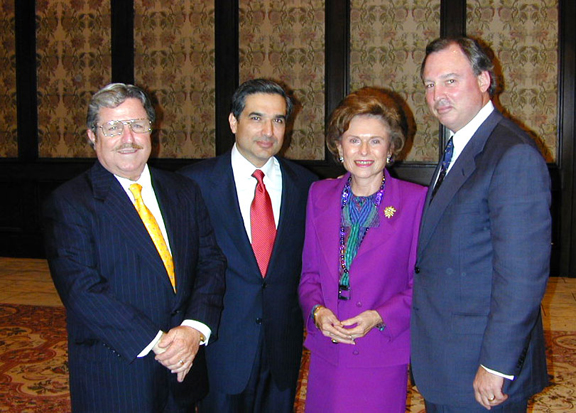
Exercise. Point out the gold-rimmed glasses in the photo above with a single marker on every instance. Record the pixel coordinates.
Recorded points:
(116, 127)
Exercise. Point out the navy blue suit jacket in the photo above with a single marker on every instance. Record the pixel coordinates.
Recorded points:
(482, 268)
(117, 292)
(251, 303)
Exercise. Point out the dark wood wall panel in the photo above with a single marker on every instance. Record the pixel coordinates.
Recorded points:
(26, 181)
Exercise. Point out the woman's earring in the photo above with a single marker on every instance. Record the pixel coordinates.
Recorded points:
(388, 159)
(341, 159)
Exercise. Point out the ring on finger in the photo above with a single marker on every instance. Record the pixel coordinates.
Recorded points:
(491, 399)
(181, 362)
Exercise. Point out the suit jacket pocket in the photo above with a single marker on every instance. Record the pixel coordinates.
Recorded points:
(467, 324)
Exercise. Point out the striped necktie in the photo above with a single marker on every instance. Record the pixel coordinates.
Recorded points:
(154, 230)
(448, 151)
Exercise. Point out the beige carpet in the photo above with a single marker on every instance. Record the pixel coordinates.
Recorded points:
(34, 371)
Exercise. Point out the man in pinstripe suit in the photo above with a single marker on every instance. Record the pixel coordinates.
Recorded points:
(134, 337)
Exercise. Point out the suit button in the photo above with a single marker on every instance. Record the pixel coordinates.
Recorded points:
(175, 312)
(258, 320)
(264, 285)
(358, 304)
(417, 270)
(355, 352)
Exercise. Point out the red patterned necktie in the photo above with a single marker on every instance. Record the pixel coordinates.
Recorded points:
(262, 224)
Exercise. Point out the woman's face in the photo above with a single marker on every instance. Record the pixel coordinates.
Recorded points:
(365, 147)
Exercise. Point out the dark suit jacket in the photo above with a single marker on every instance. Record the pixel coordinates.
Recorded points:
(483, 264)
(253, 305)
(117, 292)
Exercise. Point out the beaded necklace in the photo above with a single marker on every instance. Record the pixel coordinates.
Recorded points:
(348, 254)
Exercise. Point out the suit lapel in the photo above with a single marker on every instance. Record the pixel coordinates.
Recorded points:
(461, 171)
(375, 236)
(120, 210)
(327, 221)
(223, 191)
(177, 226)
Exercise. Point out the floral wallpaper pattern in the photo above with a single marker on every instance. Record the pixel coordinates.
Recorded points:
(284, 41)
(8, 121)
(524, 37)
(74, 60)
(388, 40)
(174, 60)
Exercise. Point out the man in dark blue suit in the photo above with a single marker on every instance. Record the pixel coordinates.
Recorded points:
(254, 364)
(137, 308)
(484, 248)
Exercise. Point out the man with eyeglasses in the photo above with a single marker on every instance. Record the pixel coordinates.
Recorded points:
(134, 258)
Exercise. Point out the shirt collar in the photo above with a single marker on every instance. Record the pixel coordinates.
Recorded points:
(243, 168)
(463, 136)
(145, 180)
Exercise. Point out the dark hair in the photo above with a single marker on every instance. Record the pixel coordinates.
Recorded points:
(112, 96)
(371, 102)
(478, 56)
(254, 86)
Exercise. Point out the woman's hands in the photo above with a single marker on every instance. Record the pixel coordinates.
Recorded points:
(346, 331)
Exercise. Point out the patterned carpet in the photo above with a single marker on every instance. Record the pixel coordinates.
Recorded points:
(34, 371)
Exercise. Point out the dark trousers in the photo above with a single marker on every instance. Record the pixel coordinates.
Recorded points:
(261, 395)
(508, 407)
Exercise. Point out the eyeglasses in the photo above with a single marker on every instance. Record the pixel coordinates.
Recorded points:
(116, 127)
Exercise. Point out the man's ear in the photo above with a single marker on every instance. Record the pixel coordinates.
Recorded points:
(484, 81)
(91, 137)
(233, 122)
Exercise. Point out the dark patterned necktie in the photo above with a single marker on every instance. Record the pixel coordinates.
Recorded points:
(448, 151)
(262, 224)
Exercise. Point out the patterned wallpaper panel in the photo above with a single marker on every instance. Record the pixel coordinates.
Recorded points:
(8, 127)
(174, 60)
(388, 40)
(524, 37)
(284, 41)
(74, 60)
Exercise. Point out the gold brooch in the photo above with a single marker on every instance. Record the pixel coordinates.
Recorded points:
(389, 211)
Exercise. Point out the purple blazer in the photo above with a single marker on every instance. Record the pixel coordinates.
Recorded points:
(380, 275)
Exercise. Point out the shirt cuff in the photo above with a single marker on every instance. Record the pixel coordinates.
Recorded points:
(201, 327)
(150, 346)
(497, 373)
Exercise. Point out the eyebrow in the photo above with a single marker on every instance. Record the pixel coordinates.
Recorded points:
(262, 115)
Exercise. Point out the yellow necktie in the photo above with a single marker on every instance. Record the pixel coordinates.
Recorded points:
(154, 230)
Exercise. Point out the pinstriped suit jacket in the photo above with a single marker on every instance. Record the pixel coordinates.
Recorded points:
(117, 292)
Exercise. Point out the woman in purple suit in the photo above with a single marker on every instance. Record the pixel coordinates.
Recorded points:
(358, 262)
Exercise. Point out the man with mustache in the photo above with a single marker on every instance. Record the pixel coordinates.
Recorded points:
(254, 364)
(484, 247)
(134, 258)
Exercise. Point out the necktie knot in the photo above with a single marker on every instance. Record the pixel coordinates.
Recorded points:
(448, 151)
(136, 190)
(259, 175)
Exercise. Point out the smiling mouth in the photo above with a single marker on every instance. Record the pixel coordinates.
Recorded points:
(363, 163)
(127, 149)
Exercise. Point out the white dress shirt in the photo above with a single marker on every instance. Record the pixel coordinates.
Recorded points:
(243, 169)
(151, 202)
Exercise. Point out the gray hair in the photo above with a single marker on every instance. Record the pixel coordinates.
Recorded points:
(112, 96)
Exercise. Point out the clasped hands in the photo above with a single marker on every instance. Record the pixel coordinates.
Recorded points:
(177, 349)
(345, 331)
